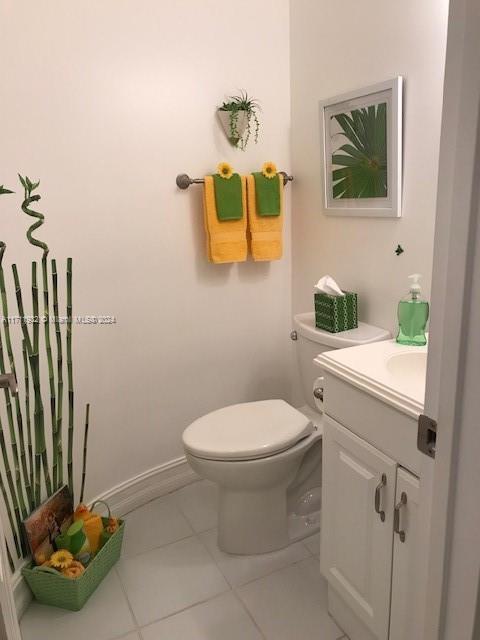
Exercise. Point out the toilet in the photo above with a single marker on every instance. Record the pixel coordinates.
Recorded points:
(265, 456)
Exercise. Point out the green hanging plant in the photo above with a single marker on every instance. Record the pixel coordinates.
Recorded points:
(239, 117)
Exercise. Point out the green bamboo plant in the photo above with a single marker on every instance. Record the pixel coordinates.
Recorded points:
(57, 439)
(13, 503)
(33, 347)
(70, 376)
(21, 486)
(85, 444)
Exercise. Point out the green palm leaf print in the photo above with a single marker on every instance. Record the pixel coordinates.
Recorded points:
(362, 167)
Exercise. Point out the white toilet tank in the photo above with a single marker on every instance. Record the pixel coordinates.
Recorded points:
(311, 341)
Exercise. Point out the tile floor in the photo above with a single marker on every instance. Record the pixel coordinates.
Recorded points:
(173, 583)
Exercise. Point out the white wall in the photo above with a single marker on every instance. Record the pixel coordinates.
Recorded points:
(341, 46)
(106, 102)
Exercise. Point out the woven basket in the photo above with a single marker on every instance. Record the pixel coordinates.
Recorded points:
(59, 591)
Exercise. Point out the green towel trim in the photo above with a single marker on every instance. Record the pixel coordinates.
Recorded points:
(228, 197)
(267, 195)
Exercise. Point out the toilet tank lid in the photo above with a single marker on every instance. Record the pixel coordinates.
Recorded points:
(363, 334)
(246, 431)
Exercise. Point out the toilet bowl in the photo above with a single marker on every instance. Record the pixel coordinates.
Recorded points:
(265, 456)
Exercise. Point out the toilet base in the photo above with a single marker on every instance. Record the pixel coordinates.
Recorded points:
(300, 527)
(252, 522)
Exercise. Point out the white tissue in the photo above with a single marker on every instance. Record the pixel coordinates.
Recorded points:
(328, 285)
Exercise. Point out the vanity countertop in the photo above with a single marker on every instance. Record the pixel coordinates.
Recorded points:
(393, 373)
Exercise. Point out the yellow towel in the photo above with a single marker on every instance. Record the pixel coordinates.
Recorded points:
(266, 242)
(227, 239)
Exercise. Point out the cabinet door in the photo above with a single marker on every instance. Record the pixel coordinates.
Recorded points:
(404, 622)
(356, 542)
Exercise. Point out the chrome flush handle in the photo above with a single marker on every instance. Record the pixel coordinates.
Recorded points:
(378, 490)
(318, 393)
(396, 517)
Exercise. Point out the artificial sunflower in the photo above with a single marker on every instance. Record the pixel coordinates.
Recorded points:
(225, 170)
(269, 169)
(61, 559)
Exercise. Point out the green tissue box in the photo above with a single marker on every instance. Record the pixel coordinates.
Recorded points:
(336, 313)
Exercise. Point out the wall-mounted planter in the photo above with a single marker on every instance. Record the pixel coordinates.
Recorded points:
(233, 122)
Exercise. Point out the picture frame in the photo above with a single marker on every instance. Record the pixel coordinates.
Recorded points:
(46, 522)
(361, 146)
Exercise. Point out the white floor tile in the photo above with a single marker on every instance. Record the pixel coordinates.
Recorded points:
(198, 502)
(218, 619)
(155, 524)
(291, 603)
(239, 570)
(313, 544)
(105, 616)
(164, 581)
(131, 636)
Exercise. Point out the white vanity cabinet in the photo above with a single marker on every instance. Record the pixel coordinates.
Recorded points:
(357, 524)
(368, 543)
(376, 492)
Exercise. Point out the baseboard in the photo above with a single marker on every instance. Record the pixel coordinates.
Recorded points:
(148, 485)
(122, 498)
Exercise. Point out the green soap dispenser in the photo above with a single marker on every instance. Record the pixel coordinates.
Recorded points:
(412, 316)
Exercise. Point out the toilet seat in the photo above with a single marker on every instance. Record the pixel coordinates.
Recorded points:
(247, 431)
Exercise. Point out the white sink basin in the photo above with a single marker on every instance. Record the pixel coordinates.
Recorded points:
(393, 372)
(409, 368)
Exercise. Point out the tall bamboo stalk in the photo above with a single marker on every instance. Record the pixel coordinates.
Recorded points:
(85, 444)
(11, 521)
(16, 530)
(35, 349)
(13, 436)
(11, 486)
(38, 419)
(18, 410)
(35, 311)
(9, 557)
(33, 355)
(70, 377)
(27, 414)
(13, 439)
(51, 378)
(57, 441)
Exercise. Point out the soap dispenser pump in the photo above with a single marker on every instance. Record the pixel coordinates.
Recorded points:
(413, 313)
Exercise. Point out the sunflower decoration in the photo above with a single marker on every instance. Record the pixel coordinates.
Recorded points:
(269, 170)
(225, 170)
(61, 559)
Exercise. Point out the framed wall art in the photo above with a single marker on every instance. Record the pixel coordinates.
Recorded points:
(362, 151)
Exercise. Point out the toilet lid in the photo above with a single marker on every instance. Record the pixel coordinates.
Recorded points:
(246, 431)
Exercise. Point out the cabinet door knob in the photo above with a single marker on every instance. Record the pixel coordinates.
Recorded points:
(381, 484)
(396, 517)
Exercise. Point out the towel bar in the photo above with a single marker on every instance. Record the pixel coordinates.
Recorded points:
(184, 181)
